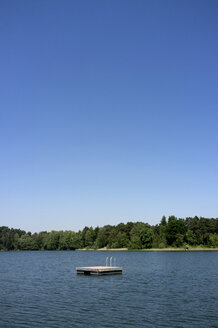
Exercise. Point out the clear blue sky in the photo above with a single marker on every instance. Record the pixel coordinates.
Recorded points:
(108, 111)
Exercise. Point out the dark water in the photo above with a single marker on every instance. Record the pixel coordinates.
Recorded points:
(157, 289)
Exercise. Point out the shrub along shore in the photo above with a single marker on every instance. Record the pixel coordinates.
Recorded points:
(172, 234)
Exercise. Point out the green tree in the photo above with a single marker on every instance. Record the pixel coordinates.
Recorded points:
(135, 240)
(52, 240)
(26, 242)
(213, 240)
(102, 238)
(179, 240)
(163, 221)
(90, 237)
(68, 240)
(190, 237)
(174, 229)
(146, 237)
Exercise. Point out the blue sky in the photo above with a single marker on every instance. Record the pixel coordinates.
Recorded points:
(108, 112)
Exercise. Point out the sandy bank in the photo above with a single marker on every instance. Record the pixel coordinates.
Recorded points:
(170, 249)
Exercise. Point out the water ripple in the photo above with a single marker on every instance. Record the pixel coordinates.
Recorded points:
(41, 289)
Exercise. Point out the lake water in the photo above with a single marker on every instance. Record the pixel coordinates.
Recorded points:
(156, 289)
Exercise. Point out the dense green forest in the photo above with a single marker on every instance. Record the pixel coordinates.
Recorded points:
(174, 232)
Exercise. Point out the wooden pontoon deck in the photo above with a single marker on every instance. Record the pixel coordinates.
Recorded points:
(99, 270)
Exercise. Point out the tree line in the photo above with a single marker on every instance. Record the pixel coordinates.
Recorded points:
(171, 232)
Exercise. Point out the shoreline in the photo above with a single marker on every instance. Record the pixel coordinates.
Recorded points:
(181, 249)
(169, 249)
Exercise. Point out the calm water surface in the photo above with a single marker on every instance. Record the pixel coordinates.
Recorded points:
(156, 289)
